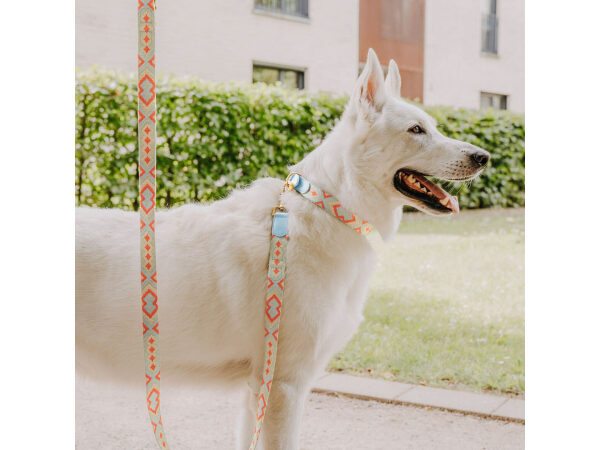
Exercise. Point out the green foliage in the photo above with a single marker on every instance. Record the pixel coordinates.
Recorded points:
(502, 134)
(214, 137)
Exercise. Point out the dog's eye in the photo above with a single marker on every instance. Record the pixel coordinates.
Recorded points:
(416, 130)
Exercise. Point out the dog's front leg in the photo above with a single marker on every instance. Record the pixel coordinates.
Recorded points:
(281, 427)
(284, 414)
(248, 420)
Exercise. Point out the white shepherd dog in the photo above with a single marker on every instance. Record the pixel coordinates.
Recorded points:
(212, 260)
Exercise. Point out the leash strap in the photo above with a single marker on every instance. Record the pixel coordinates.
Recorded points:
(276, 278)
(274, 303)
(329, 203)
(147, 186)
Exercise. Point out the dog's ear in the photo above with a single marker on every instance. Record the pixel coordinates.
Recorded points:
(370, 88)
(393, 81)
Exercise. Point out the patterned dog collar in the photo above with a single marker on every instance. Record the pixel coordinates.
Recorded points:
(329, 203)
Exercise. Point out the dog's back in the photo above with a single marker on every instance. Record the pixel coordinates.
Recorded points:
(210, 261)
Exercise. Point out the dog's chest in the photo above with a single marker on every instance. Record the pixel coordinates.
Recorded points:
(351, 302)
(330, 287)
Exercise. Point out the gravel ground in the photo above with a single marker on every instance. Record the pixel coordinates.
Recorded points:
(109, 417)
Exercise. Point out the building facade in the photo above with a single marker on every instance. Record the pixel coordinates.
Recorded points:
(302, 43)
(466, 53)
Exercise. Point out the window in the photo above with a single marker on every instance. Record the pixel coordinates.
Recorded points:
(289, 78)
(291, 7)
(489, 28)
(496, 101)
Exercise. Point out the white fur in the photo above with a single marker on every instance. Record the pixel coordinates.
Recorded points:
(212, 262)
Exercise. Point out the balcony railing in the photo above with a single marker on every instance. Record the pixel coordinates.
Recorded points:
(290, 7)
(489, 33)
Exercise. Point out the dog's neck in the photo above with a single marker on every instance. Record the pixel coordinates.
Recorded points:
(331, 168)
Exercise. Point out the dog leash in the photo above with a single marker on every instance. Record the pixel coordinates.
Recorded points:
(147, 198)
(276, 276)
(273, 305)
(149, 286)
(147, 187)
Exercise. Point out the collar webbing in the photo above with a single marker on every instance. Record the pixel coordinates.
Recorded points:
(329, 203)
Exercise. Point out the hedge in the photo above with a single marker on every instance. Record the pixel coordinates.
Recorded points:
(213, 137)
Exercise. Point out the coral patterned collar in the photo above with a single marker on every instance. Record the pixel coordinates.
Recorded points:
(329, 203)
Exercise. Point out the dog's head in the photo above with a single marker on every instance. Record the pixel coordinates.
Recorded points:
(397, 145)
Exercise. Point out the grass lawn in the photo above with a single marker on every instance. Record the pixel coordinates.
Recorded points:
(446, 304)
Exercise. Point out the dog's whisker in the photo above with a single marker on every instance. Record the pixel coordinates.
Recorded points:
(456, 189)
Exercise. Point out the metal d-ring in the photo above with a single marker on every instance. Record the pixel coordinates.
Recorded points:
(288, 185)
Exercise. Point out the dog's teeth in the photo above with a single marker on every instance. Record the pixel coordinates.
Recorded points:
(444, 201)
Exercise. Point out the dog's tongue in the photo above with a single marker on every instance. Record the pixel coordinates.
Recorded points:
(447, 200)
(452, 203)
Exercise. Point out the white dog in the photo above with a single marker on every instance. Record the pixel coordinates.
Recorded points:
(212, 260)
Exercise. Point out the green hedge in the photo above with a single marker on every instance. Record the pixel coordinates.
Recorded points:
(502, 134)
(213, 137)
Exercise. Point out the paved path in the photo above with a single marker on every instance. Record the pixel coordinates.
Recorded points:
(115, 418)
(494, 406)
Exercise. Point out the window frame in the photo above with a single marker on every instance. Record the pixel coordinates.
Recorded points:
(300, 72)
(303, 6)
(502, 98)
(490, 25)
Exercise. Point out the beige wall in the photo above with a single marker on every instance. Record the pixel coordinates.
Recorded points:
(455, 70)
(219, 40)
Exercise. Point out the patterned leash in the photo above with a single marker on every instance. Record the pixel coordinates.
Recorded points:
(277, 250)
(149, 292)
(274, 302)
(147, 186)
(276, 276)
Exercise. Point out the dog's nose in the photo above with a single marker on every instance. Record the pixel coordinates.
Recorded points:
(480, 157)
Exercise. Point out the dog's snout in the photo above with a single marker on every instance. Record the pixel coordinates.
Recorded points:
(480, 158)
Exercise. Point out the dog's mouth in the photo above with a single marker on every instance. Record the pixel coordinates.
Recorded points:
(424, 192)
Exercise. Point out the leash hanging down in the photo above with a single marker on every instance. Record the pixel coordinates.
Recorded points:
(149, 285)
(147, 198)
(276, 276)
(273, 306)
(147, 187)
